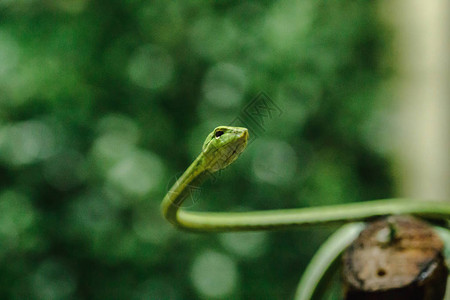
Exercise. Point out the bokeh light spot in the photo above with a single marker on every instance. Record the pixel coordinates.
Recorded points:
(137, 174)
(27, 142)
(9, 54)
(224, 85)
(109, 149)
(245, 244)
(119, 125)
(274, 162)
(53, 280)
(214, 38)
(214, 275)
(280, 32)
(151, 67)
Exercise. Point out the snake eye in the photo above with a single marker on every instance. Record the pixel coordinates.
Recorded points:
(218, 133)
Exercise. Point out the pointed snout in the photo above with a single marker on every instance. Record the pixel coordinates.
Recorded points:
(243, 133)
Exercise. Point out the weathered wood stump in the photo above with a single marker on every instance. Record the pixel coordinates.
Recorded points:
(399, 257)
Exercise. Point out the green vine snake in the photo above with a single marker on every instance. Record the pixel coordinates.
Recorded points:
(222, 147)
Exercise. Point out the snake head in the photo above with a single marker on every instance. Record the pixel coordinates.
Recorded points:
(223, 146)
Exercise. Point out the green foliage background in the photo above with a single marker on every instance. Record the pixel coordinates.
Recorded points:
(104, 103)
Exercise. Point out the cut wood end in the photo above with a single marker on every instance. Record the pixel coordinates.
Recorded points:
(394, 253)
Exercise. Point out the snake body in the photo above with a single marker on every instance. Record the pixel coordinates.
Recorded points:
(222, 147)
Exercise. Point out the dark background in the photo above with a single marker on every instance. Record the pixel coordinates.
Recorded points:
(104, 103)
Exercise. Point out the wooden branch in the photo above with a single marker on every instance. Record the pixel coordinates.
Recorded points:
(399, 257)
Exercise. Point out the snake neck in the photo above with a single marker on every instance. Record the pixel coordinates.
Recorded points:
(184, 187)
